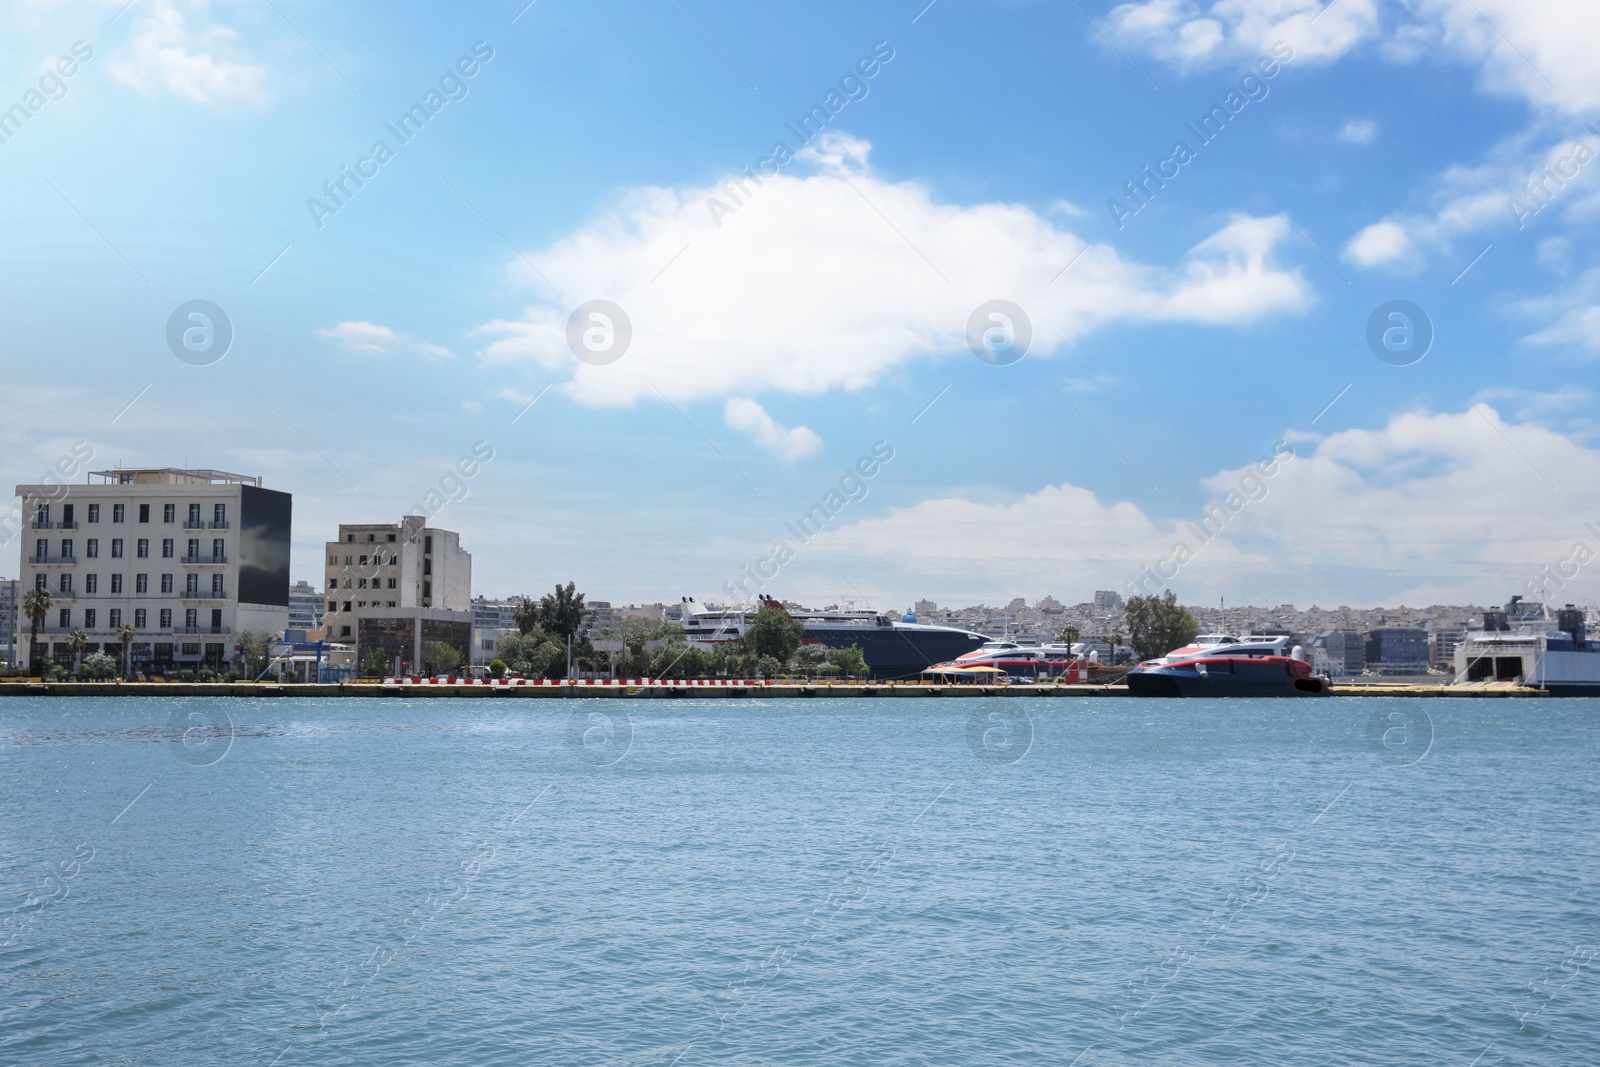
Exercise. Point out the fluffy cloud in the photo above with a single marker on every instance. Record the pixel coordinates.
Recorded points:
(371, 339)
(1382, 242)
(747, 416)
(834, 279)
(164, 54)
(1574, 317)
(1540, 52)
(1430, 507)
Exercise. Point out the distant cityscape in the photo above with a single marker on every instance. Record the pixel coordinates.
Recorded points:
(405, 588)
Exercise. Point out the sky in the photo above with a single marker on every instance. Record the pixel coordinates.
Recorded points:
(1272, 300)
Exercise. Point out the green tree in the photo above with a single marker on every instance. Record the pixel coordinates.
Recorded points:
(99, 665)
(773, 633)
(125, 634)
(253, 651)
(1115, 641)
(446, 658)
(76, 644)
(1070, 636)
(497, 668)
(679, 660)
(36, 605)
(377, 663)
(1159, 624)
(561, 613)
(526, 616)
(849, 661)
(533, 654)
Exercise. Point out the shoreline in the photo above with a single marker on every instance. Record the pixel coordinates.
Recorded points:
(643, 690)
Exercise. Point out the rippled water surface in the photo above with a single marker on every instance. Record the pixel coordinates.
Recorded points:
(799, 882)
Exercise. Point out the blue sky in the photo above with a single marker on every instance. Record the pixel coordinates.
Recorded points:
(779, 331)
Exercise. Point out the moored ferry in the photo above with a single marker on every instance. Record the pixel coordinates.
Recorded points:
(1222, 665)
(891, 647)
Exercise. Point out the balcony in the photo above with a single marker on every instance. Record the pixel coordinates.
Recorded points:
(203, 594)
(53, 561)
(201, 630)
(37, 525)
(208, 559)
(193, 524)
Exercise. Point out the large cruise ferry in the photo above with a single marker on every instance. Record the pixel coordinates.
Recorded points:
(1222, 665)
(1528, 644)
(892, 647)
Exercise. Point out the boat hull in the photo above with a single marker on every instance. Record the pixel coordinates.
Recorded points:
(898, 652)
(1272, 677)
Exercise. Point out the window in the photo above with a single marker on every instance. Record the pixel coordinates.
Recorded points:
(138, 618)
(94, 512)
(349, 537)
(363, 561)
(219, 516)
(344, 631)
(116, 583)
(194, 515)
(41, 549)
(41, 581)
(362, 584)
(216, 620)
(216, 585)
(347, 561)
(391, 603)
(41, 518)
(194, 548)
(88, 618)
(216, 548)
(347, 583)
(427, 544)
(166, 618)
(191, 649)
(66, 548)
(114, 618)
(427, 566)
(117, 512)
(333, 561)
(142, 549)
(191, 619)
(64, 617)
(391, 537)
(66, 584)
(116, 548)
(372, 537)
(169, 513)
(144, 512)
(141, 584)
(91, 583)
(91, 548)
(346, 606)
(333, 605)
(191, 585)
(166, 583)
(391, 583)
(166, 548)
(362, 604)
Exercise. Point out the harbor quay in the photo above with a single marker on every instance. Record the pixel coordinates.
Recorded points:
(647, 689)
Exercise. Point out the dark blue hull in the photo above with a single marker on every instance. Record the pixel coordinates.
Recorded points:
(899, 652)
(1235, 678)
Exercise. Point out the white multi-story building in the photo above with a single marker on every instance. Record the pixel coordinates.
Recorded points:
(189, 559)
(492, 622)
(305, 606)
(9, 595)
(403, 587)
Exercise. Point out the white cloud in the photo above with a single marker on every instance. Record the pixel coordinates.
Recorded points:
(370, 339)
(747, 416)
(1452, 504)
(1382, 242)
(1358, 131)
(835, 279)
(164, 54)
(1540, 52)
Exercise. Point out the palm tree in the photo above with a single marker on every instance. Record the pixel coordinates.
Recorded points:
(1114, 640)
(75, 644)
(36, 605)
(1070, 635)
(125, 632)
(526, 616)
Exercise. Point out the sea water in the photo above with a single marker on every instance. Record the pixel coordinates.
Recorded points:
(876, 881)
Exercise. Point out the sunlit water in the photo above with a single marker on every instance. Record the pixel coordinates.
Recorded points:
(799, 882)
